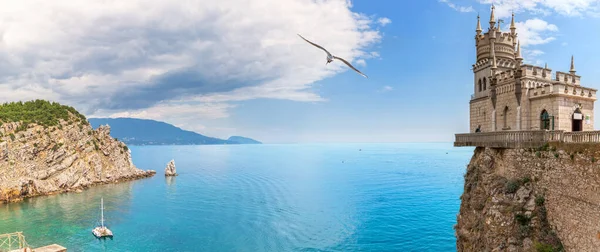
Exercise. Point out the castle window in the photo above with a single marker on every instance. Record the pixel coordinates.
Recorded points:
(480, 85)
(484, 83)
(545, 120)
(506, 117)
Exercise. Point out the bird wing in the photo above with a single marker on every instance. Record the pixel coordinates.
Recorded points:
(316, 45)
(346, 62)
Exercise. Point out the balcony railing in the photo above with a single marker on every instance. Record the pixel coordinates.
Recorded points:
(524, 139)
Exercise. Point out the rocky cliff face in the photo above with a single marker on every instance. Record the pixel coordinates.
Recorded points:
(70, 156)
(545, 199)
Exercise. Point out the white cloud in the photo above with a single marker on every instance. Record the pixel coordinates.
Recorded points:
(384, 21)
(138, 57)
(534, 53)
(535, 32)
(386, 89)
(361, 62)
(546, 7)
(458, 8)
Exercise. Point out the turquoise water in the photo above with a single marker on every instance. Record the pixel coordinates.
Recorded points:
(384, 197)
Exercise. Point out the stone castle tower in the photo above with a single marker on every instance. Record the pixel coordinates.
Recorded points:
(510, 95)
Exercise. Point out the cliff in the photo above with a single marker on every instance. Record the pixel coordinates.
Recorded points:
(545, 199)
(49, 154)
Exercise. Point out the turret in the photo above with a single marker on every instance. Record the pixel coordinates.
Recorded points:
(518, 56)
(572, 70)
(478, 29)
(492, 18)
(513, 28)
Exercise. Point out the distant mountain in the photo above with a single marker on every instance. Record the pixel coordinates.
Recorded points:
(149, 132)
(243, 140)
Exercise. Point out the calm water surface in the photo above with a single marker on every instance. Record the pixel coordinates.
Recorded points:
(386, 197)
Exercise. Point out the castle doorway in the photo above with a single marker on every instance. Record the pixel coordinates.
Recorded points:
(577, 121)
(545, 120)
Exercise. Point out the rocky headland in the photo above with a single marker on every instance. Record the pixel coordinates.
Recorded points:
(48, 148)
(544, 199)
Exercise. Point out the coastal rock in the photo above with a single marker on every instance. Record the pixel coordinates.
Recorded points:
(525, 200)
(71, 156)
(170, 169)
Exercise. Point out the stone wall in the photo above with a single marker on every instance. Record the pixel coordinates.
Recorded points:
(503, 101)
(500, 211)
(480, 115)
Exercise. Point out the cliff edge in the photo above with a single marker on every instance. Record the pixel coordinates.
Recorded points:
(47, 148)
(545, 199)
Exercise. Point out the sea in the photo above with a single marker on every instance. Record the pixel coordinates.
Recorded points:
(288, 197)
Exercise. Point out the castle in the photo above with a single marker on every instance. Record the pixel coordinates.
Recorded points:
(511, 96)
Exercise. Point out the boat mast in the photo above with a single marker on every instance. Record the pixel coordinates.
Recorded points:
(102, 211)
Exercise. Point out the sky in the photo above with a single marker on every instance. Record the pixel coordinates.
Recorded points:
(237, 67)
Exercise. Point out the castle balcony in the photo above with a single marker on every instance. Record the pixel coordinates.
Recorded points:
(524, 139)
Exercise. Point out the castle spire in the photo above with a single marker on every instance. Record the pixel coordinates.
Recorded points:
(512, 24)
(513, 29)
(492, 18)
(519, 57)
(572, 71)
(478, 29)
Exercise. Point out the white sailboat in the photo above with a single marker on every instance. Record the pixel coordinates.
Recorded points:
(102, 231)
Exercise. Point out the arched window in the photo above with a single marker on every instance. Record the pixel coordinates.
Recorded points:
(506, 117)
(480, 87)
(545, 120)
(484, 83)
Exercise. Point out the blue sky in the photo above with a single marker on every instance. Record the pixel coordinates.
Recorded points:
(237, 67)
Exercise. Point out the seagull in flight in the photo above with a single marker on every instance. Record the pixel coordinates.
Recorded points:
(330, 57)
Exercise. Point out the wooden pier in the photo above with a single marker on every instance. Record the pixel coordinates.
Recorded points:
(15, 242)
(524, 139)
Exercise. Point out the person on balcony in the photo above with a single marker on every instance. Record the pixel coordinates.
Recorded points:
(478, 129)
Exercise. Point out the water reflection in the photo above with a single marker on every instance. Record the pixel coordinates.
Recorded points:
(170, 180)
(66, 214)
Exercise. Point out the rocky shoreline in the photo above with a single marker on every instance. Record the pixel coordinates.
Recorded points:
(28, 189)
(69, 157)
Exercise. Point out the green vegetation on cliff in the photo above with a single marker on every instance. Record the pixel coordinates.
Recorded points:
(39, 112)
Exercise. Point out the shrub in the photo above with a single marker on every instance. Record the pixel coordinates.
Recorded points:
(556, 155)
(512, 186)
(538, 154)
(539, 200)
(35, 145)
(593, 160)
(526, 180)
(522, 219)
(125, 148)
(12, 136)
(543, 247)
(39, 112)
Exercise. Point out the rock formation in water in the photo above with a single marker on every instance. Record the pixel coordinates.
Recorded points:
(545, 199)
(170, 170)
(68, 156)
